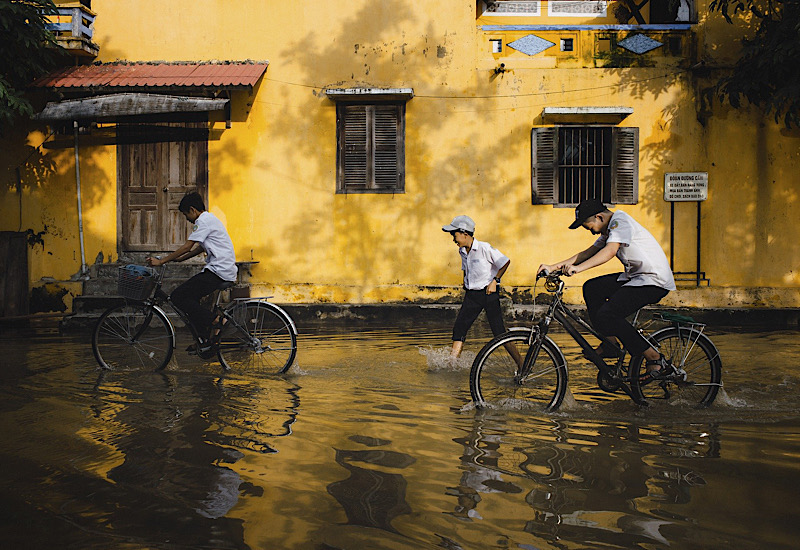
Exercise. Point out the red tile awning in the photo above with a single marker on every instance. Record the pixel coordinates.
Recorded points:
(155, 75)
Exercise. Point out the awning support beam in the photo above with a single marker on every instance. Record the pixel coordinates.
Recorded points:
(80, 207)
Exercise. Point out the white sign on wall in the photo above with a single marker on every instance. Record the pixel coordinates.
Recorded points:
(685, 186)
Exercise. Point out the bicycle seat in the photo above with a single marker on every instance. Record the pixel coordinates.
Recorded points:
(226, 285)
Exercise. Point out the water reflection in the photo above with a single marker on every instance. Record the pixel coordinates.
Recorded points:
(176, 438)
(583, 481)
(372, 497)
(148, 449)
(370, 445)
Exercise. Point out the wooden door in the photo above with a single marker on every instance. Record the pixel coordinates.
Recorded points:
(14, 275)
(157, 165)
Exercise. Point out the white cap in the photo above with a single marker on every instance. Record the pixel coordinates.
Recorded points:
(460, 223)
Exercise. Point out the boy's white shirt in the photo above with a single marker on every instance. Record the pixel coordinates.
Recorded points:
(210, 233)
(644, 259)
(481, 264)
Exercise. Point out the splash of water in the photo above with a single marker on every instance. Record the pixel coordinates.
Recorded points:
(506, 404)
(295, 370)
(569, 403)
(726, 400)
(439, 359)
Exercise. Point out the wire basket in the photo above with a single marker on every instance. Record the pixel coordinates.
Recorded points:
(135, 282)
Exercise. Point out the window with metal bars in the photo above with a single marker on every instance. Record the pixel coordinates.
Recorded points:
(371, 147)
(573, 163)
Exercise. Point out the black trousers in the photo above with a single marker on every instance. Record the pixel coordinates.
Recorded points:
(187, 298)
(608, 302)
(476, 301)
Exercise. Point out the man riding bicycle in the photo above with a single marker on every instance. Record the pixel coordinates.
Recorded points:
(611, 298)
(209, 236)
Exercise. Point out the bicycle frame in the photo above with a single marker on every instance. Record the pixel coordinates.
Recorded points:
(568, 320)
(159, 297)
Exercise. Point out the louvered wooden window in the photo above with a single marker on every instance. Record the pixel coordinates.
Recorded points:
(573, 163)
(371, 152)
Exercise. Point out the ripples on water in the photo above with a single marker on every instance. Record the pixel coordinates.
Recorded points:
(371, 441)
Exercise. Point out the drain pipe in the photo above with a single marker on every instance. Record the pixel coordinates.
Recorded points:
(80, 208)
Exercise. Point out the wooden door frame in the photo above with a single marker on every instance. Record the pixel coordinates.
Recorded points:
(120, 194)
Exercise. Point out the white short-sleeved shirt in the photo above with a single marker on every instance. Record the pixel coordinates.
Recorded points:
(644, 260)
(481, 264)
(209, 232)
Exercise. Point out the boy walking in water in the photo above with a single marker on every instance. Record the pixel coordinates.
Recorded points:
(647, 278)
(483, 267)
(209, 236)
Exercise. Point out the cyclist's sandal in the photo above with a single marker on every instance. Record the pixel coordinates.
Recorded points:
(664, 370)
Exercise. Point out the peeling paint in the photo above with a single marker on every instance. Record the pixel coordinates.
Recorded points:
(35, 238)
(48, 298)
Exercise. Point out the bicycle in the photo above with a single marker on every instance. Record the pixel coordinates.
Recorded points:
(138, 333)
(542, 378)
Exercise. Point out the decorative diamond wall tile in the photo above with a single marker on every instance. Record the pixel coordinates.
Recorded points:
(639, 43)
(530, 44)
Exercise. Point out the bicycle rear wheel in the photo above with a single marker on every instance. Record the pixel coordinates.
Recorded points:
(494, 379)
(133, 335)
(699, 369)
(259, 336)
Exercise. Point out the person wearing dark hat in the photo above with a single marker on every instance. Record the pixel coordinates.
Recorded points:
(646, 279)
(483, 267)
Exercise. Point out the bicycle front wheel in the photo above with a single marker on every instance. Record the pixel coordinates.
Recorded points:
(495, 378)
(698, 364)
(258, 336)
(132, 336)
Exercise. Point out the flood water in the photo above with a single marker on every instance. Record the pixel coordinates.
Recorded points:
(371, 442)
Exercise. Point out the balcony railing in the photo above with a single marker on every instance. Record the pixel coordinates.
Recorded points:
(74, 28)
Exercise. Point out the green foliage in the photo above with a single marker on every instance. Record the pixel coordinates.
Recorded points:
(768, 72)
(27, 50)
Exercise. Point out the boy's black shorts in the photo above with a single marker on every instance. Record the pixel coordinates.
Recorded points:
(476, 301)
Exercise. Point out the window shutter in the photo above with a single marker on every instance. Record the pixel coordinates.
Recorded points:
(625, 166)
(388, 146)
(543, 166)
(354, 147)
(371, 154)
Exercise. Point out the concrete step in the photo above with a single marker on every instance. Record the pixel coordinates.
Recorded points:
(87, 320)
(183, 270)
(94, 305)
(103, 277)
(108, 287)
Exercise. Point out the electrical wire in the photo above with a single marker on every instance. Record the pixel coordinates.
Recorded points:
(501, 96)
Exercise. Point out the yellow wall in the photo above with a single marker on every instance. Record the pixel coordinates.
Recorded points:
(272, 175)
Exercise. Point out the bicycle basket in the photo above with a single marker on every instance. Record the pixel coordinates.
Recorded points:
(135, 282)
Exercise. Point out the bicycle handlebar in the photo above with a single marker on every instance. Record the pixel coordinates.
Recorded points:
(544, 274)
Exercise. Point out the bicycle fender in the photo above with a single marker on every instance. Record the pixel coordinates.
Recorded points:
(164, 313)
(279, 308)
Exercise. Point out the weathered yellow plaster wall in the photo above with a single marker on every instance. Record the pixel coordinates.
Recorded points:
(272, 175)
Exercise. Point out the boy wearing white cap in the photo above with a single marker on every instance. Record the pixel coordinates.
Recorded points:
(483, 267)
